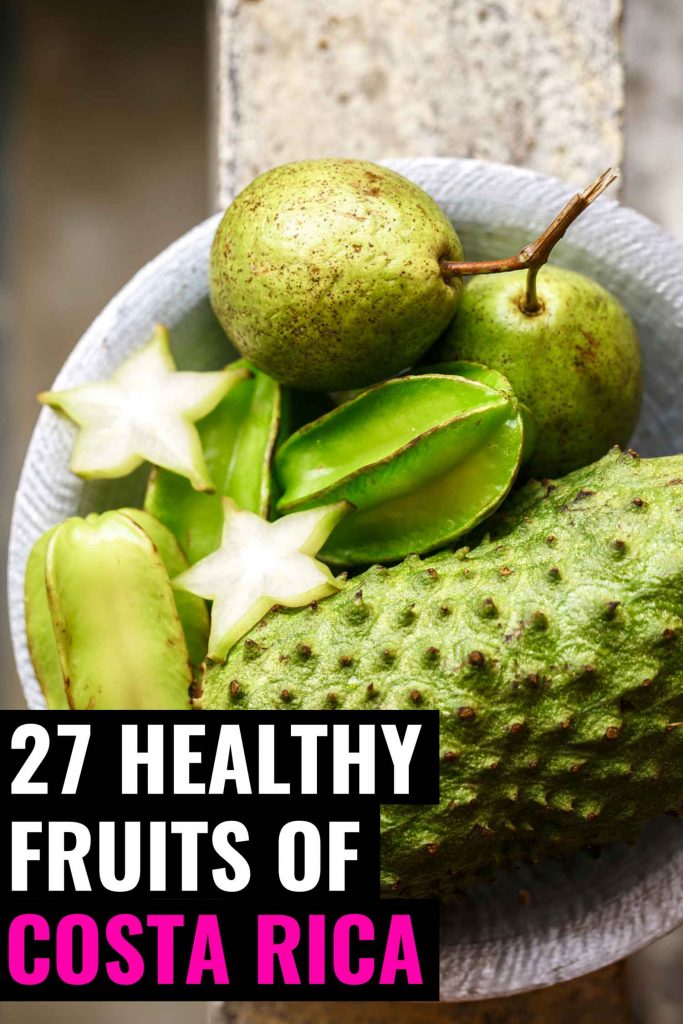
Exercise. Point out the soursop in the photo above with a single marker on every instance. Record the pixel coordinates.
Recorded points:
(553, 650)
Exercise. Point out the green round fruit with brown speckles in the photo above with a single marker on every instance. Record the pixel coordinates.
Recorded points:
(326, 273)
(575, 363)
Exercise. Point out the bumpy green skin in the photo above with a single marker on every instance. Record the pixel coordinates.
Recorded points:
(325, 274)
(576, 364)
(554, 651)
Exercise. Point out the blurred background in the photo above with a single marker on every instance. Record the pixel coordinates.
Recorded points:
(105, 158)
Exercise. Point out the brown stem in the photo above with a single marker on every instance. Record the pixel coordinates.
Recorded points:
(534, 255)
(531, 303)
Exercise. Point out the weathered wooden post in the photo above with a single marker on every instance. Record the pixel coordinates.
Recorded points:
(536, 83)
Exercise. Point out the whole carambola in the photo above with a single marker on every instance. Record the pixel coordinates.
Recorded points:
(553, 650)
(104, 627)
(422, 459)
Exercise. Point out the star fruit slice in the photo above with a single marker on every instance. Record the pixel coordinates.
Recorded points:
(146, 411)
(261, 564)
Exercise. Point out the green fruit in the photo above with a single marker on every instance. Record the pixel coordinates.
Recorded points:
(40, 630)
(326, 273)
(261, 564)
(192, 611)
(494, 379)
(473, 371)
(575, 362)
(239, 439)
(146, 411)
(117, 640)
(40, 634)
(423, 459)
(553, 650)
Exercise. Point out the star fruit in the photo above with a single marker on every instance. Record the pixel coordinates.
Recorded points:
(259, 565)
(145, 411)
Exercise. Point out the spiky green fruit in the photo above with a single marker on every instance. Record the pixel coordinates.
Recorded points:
(553, 650)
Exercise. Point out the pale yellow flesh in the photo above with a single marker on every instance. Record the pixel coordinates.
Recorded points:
(260, 564)
(145, 411)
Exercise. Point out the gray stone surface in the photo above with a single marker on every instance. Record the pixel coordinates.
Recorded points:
(537, 83)
(653, 45)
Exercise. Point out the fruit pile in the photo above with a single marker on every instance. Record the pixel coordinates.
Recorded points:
(391, 398)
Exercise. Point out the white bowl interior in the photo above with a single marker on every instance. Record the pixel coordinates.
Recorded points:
(582, 913)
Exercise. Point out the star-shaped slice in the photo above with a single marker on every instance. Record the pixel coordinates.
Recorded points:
(261, 564)
(145, 411)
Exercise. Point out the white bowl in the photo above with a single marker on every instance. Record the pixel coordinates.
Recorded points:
(582, 914)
